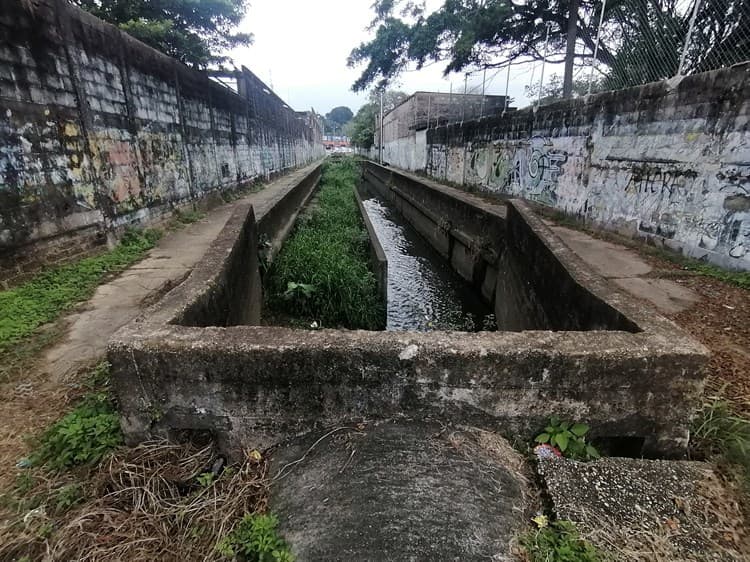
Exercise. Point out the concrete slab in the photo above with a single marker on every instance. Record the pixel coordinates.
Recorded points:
(626, 269)
(400, 490)
(667, 296)
(607, 259)
(639, 509)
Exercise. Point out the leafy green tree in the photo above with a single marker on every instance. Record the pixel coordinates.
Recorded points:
(641, 40)
(361, 129)
(463, 34)
(196, 32)
(337, 118)
(340, 115)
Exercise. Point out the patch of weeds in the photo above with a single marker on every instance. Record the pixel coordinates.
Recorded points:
(45, 530)
(25, 482)
(67, 497)
(25, 308)
(569, 438)
(323, 271)
(721, 434)
(559, 541)
(206, 479)
(183, 218)
(82, 437)
(256, 539)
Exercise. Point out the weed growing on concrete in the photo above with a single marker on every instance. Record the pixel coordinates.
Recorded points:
(569, 438)
(41, 300)
(256, 539)
(558, 541)
(323, 271)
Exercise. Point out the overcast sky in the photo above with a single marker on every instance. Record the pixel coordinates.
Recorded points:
(301, 48)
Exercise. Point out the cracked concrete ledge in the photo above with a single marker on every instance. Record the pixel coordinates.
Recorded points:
(185, 367)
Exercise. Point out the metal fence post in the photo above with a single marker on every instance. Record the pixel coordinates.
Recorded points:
(544, 60)
(688, 38)
(596, 45)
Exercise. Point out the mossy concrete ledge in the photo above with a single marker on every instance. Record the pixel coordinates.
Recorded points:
(198, 362)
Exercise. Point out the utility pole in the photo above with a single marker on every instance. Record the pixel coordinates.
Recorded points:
(450, 104)
(507, 83)
(570, 48)
(484, 80)
(380, 133)
(463, 104)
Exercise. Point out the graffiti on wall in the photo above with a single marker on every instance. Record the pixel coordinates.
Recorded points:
(528, 168)
(735, 190)
(708, 211)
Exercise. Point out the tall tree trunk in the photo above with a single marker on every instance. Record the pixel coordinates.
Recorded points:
(570, 50)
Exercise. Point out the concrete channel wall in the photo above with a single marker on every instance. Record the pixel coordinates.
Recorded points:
(378, 259)
(99, 131)
(254, 386)
(666, 161)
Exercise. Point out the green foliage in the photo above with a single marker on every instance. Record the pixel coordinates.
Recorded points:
(361, 129)
(68, 496)
(25, 482)
(719, 432)
(323, 271)
(569, 437)
(82, 437)
(336, 119)
(206, 479)
(189, 216)
(41, 300)
(559, 542)
(256, 539)
(196, 32)
(640, 41)
(298, 292)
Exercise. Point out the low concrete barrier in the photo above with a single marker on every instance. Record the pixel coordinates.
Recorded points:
(633, 374)
(378, 259)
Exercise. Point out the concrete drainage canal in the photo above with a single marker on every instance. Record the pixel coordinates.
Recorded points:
(390, 443)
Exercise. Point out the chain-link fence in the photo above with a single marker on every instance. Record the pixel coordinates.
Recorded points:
(641, 41)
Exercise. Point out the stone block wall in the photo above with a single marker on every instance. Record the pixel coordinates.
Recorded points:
(99, 131)
(667, 161)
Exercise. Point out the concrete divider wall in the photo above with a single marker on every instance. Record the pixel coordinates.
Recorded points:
(99, 131)
(225, 287)
(666, 161)
(378, 259)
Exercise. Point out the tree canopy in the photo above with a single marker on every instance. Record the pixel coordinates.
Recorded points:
(340, 115)
(641, 39)
(335, 119)
(196, 32)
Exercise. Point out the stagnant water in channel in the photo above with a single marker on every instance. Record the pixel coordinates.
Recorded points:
(424, 293)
